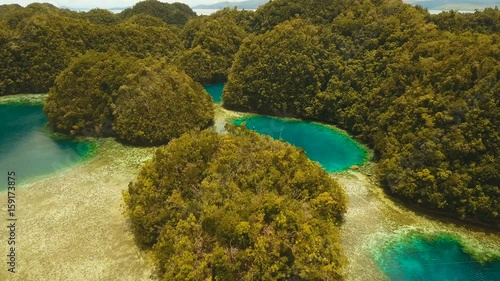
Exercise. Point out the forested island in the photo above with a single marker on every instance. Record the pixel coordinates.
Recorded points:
(241, 207)
(421, 90)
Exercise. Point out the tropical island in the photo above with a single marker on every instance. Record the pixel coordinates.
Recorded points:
(205, 198)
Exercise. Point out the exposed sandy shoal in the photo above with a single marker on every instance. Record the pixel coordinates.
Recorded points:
(373, 221)
(224, 116)
(23, 98)
(71, 227)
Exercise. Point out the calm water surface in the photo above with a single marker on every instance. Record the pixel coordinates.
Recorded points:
(440, 259)
(333, 150)
(215, 90)
(26, 145)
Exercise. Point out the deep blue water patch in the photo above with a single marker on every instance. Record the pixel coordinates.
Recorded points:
(333, 150)
(215, 90)
(419, 258)
(27, 146)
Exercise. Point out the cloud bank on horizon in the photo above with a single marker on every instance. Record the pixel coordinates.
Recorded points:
(88, 4)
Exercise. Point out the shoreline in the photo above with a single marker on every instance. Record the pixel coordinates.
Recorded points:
(38, 99)
(73, 222)
(368, 152)
(23, 99)
(445, 216)
(373, 221)
(77, 229)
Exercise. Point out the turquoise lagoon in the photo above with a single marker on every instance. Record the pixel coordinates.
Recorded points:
(27, 146)
(419, 258)
(215, 90)
(333, 150)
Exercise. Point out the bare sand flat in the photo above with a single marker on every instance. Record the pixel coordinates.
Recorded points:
(372, 220)
(71, 227)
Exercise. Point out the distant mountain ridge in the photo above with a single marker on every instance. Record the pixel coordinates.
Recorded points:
(469, 5)
(455, 4)
(82, 9)
(249, 4)
(429, 4)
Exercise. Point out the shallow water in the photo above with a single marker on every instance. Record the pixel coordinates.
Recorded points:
(333, 150)
(215, 90)
(26, 145)
(439, 259)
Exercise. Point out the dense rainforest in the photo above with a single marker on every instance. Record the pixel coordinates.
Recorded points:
(424, 95)
(422, 90)
(139, 101)
(238, 206)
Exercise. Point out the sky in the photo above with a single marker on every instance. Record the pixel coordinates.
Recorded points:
(103, 3)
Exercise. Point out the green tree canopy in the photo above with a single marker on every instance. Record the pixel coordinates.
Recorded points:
(176, 13)
(100, 16)
(158, 102)
(442, 142)
(212, 43)
(237, 206)
(279, 72)
(145, 102)
(486, 21)
(38, 49)
(139, 36)
(275, 12)
(81, 101)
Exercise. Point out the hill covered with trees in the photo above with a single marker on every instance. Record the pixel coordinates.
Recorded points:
(238, 206)
(211, 43)
(142, 102)
(158, 103)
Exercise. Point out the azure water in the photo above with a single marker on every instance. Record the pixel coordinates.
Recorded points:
(331, 149)
(439, 259)
(27, 146)
(215, 90)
